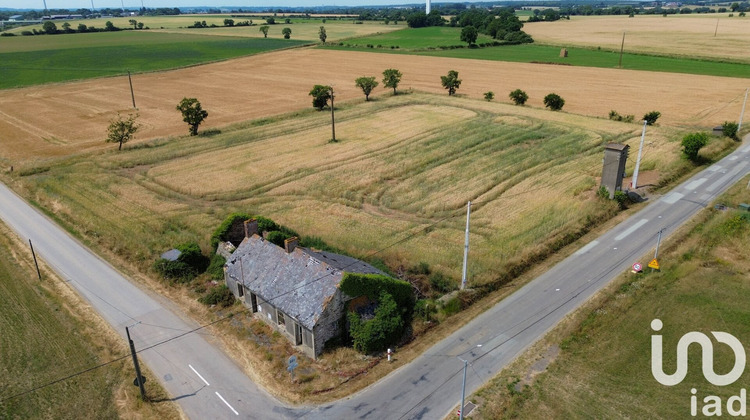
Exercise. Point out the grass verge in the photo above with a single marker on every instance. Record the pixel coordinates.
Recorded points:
(603, 369)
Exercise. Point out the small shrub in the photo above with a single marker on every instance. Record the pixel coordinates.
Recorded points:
(189, 264)
(219, 295)
(615, 116)
(729, 129)
(518, 97)
(452, 307)
(622, 199)
(554, 102)
(27, 33)
(379, 332)
(603, 192)
(441, 283)
(488, 96)
(425, 309)
(7, 34)
(692, 144)
(420, 269)
(277, 238)
(651, 117)
(216, 267)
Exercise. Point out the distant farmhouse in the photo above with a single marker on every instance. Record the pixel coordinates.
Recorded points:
(294, 289)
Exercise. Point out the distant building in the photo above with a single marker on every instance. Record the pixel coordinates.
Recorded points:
(15, 18)
(294, 289)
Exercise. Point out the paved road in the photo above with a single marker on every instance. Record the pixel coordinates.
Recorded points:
(208, 385)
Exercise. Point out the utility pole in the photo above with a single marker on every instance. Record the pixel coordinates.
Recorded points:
(466, 245)
(638, 160)
(132, 95)
(138, 378)
(742, 113)
(463, 391)
(33, 254)
(622, 47)
(333, 120)
(717, 28)
(46, 12)
(658, 241)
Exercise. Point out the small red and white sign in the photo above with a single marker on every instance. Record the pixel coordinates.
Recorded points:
(637, 267)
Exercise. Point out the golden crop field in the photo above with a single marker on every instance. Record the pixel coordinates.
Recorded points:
(63, 119)
(680, 35)
(402, 164)
(301, 30)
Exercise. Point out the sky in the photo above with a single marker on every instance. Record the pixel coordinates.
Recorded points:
(86, 4)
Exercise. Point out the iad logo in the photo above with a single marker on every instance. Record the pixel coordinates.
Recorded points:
(707, 349)
(712, 404)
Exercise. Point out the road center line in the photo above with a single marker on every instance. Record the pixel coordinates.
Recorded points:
(199, 375)
(695, 184)
(714, 168)
(631, 229)
(726, 177)
(672, 197)
(225, 402)
(586, 248)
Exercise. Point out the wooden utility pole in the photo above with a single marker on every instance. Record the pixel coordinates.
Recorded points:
(333, 120)
(33, 254)
(138, 377)
(622, 47)
(132, 95)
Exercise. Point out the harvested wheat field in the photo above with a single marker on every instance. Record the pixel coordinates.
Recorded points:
(63, 119)
(680, 35)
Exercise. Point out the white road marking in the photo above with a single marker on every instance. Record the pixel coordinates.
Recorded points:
(586, 248)
(631, 229)
(714, 168)
(672, 197)
(225, 402)
(726, 177)
(695, 184)
(745, 149)
(733, 158)
(557, 290)
(199, 375)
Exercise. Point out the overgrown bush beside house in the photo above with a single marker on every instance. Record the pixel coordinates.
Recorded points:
(190, 263)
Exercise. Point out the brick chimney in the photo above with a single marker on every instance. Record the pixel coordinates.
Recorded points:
(290, 244)
(251, 227)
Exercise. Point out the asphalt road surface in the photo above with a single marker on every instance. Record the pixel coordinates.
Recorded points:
(207, 384)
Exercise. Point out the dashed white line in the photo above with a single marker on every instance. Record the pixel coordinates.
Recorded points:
(199, 375)
(695, 184)
(672, 197)
(745, 149)
(733, 158)
(631, 229)
(225, 402)
(586, 248)
(726, 177)
(714, 168)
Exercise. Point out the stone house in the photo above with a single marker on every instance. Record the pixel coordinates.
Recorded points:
(294, 289)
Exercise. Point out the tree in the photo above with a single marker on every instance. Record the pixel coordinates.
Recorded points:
(286, 32)
(367, 84)
(391, 79)
(735, 6)
(729, 129)
(451, 82)
(192, 113)
(264, 29)
(122, 130)
(554, 102)
(109, 26)
(82, 28)
(66, 28)
(322, 34)
(376, 334)
(321, 94)
(140, 25)
(271, 21)
(651, 117)
(228, 22)
(469, 35)
(49, 27)
(518, 97)
(692, 144)
(134, 23)
(488, 96)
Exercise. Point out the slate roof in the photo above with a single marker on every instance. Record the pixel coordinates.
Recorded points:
(300, 283)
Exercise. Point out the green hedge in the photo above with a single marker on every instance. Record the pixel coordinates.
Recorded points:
(216, 267)
(220, 233)
(264, 225)
(372, 285)
(378, 333)
(219, 295)
(189, 264)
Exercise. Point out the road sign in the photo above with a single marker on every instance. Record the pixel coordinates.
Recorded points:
(654, 264)
(637, 267)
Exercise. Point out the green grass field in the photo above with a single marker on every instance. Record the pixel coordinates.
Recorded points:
(604, 367)
(33, 60)
(420, 38)
(42, 342)
(529, 53)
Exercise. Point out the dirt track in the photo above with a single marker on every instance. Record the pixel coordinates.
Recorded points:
(55, 120)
